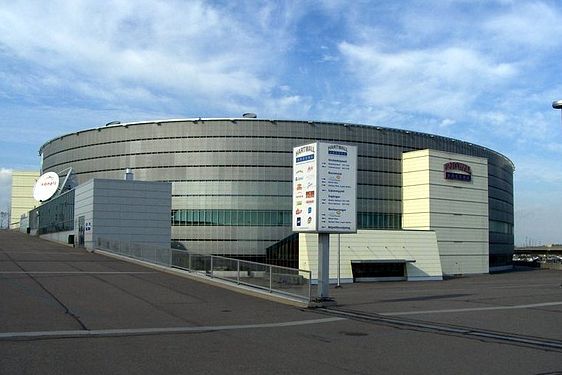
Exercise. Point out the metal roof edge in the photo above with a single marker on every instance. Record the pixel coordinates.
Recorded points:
(346, 124)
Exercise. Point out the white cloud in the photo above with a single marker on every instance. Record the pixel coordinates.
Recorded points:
(522, 116)
(534, 25)
(554, 147)
(447, 122)
(534, 169)
(329, 58)
(147, 50)
(469, 77)
(440, 82)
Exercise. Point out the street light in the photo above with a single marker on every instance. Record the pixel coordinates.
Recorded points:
(557, 104)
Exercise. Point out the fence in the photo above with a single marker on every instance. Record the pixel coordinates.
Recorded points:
(148, 253)
(290, 281)
(274, 279)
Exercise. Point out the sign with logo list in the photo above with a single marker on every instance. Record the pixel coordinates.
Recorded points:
(325, 188)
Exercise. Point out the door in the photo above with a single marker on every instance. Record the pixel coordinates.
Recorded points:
(81, 230)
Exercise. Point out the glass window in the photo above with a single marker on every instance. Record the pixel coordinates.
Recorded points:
(287, 220)
(227, 217)
(254, 218)
(241, 215)
(279, 218)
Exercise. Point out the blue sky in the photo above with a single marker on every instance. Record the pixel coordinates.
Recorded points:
(482, 71)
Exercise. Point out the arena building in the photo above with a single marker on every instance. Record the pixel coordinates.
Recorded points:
(232, 184)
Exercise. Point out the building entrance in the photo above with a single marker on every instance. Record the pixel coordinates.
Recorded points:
(81, 230)
(378, 270)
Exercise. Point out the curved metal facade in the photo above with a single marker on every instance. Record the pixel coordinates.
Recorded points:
(232, 183)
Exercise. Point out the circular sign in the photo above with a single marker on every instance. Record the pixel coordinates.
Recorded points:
(46, 186)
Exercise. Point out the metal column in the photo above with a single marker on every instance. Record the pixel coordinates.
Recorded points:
(338, 285)
(323, 266)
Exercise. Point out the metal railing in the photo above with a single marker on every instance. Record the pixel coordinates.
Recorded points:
(274, 279)
(149, 253)
(290, 281)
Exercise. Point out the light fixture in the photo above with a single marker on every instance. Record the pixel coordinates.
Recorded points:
(557, 104)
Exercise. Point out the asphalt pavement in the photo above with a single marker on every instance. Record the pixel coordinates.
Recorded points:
(68, 311)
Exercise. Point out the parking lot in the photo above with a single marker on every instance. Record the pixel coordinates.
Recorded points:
(68, 311)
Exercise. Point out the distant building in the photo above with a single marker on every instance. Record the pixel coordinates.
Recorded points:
(22, 195)
(546, 249)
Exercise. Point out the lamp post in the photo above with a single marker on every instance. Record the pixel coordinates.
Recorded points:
(557, 104)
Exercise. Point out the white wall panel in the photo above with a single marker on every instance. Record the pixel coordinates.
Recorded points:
(467, 248)
(462, 264)
(420, 246)
(459, 221)
(456, 210)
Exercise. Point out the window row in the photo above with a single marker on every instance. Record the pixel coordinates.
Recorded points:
(56, 215)
(270, 218)
(213, 217)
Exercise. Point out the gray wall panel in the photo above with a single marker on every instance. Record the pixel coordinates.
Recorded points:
(216, 157)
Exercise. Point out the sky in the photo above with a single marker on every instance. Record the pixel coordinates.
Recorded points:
(482, 71)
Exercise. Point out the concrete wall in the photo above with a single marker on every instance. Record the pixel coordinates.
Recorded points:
(456, 210)
(129, 211)
(420, 246)
(22, 195)
(61, 237)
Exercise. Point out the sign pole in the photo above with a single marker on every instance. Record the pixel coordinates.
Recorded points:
(338, 285)
(324, 199)
(323, 266)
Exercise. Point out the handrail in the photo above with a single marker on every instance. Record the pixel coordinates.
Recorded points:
(280, 280)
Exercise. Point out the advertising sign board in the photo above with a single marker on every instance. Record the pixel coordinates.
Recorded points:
(305, 182)
(455, 170)
(325, 188)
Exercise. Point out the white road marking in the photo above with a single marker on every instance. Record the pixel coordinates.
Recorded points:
(471, 309)
(74, 272)
(145, 331)
(43, 252)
